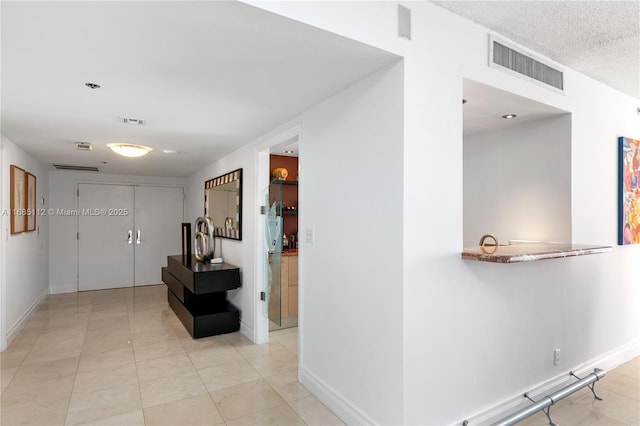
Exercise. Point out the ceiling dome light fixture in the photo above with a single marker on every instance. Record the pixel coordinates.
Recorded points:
(509, 116)
(92, 85)
(129, 150)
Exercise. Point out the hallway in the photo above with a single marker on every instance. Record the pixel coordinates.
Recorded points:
(121, 357)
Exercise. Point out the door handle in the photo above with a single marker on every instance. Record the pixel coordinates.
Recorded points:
(138, 234)
(130, 237)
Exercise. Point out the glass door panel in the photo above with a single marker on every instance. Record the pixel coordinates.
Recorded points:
(273, 261)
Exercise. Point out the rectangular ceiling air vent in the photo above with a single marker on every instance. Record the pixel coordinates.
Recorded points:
(131, 120)
(78, 168)
(506, 58)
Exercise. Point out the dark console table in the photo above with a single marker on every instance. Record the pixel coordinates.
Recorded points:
(198, 295)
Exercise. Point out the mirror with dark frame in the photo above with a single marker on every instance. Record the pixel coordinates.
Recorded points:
(223, 204)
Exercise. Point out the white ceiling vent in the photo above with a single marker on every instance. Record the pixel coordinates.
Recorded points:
(508, 58)
(84, 146)
(77, 168)
(131, 120)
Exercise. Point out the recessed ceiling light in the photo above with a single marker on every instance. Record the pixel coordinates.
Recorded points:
(509, 116)
(129, 150)
(288, 151)
(92, 85)
(169, 151)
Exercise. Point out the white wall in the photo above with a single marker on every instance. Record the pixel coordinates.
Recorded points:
(63, 256)
(240, 253)
(499, 324)
(475, 334)
(351, 282)
(351, 296)
(3, 256)
(517, 182)
(25, 264)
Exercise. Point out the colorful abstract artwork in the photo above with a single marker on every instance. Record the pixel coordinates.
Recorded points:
(629, 191)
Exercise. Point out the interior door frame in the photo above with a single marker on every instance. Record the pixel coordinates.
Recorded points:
(3, 269)
(262, 152)
(115, 182)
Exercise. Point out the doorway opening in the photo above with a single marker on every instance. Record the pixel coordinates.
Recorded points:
(283, 204)
(278, 257)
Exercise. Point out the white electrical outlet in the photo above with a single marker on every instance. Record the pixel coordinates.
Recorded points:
(556, 357)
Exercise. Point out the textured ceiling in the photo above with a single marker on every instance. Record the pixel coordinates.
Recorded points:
(600, 39)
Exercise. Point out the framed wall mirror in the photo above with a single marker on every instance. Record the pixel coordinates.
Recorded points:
(223, 204)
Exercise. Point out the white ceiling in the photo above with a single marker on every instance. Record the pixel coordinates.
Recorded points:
(600, 39)
(207, 77)
(486, 105)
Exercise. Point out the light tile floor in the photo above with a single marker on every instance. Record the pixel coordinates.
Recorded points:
(121, 357)
(286, 322)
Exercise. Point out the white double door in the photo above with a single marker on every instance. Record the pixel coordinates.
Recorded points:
(125, 234)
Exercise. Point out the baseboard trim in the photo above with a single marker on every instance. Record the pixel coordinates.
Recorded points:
(335, 402)
(62, 290)
(606, 361)
(247, 330)
(15, 329)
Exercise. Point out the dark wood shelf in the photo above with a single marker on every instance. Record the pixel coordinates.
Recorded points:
(198, 295)
(284, 182)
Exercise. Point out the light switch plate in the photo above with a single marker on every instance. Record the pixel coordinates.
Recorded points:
(308, 235)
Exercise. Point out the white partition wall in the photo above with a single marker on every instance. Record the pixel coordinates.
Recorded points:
(587, 307)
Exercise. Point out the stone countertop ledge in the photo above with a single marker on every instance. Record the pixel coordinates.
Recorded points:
(530, 252)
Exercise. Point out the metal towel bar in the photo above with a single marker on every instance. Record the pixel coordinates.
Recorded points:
(545, 403)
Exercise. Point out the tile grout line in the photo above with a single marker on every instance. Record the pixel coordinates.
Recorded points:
(261, 377)
(204, 384)
(75, 380)
(135, 364)
(264, 378)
